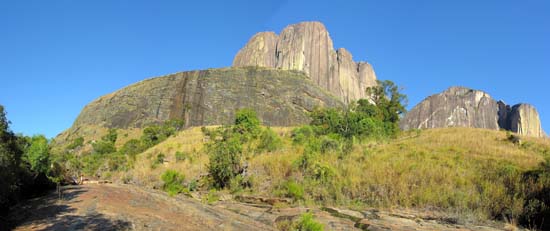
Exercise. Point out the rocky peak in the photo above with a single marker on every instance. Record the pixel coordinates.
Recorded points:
(307, 47)
(464, 107)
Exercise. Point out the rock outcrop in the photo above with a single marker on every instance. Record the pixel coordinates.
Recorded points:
(308, 47)
(524, 120)
(455, 107)
(464, 107)
(210, 97)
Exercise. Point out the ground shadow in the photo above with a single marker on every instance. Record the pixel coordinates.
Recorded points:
(51, 212)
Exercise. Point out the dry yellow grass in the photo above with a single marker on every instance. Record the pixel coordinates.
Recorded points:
(453, 169)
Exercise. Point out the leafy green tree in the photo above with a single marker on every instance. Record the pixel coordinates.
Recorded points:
(10, 160)
(247, 122)
(132, 147)
(389, 101)
(225, 159)
(38, 154)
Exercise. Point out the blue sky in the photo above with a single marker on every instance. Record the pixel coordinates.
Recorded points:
(57, 56)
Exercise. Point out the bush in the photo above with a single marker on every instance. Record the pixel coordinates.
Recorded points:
(111, 136)
(329, 143)
(269, 141)
(247, 123)
(294, 190)
(78, 142)
(173, 182)
(224, 160)
(103, 147)
(181, 156)
(302, 134)
(307, 223)
(132, 147)
(152, 135)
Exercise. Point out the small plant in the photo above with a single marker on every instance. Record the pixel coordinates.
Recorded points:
(302, 134)
(269, 141)
(78, 142)
(173, 182)
(212, 197)
(181, 156)
(294, 190)
(308, 223)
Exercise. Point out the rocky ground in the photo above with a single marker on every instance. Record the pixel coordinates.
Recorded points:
(124, 207)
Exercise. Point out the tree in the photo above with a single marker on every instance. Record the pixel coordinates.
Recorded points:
(247, 122)
(389, 101)
(224, 159)
(38, 154)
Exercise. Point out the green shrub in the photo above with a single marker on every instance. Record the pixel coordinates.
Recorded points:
(302, 134)
(91, 163)
(154, 134)
(224, 160)
(329, 143)
(307, 223)
(294, 190)
(211, 198)
(269, 141)
(173, 182)
(111, 136)
(159, 159)
(103, 147)
(247, 123)
(132, 147)
(181, 156)
(78, 142)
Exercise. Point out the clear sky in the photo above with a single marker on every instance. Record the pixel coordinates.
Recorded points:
(57, 56)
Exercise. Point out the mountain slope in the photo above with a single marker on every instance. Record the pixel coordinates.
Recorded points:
(209, 97)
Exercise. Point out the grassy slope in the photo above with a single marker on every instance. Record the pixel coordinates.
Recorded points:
(462, 170)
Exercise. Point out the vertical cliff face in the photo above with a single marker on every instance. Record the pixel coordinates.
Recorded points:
(524, 120)
(307, 47)
(463, 107)
(258, 51)
(210, 97)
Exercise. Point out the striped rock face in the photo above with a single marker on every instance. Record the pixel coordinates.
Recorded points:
(307, 47)
(464, 107)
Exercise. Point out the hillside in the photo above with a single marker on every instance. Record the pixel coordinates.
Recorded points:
(466, 173)
(457, 175)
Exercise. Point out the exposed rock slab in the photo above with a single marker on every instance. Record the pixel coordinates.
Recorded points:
(210, 97)
(524, 120)
(307, 47)
(464, 107)
(455, 107)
